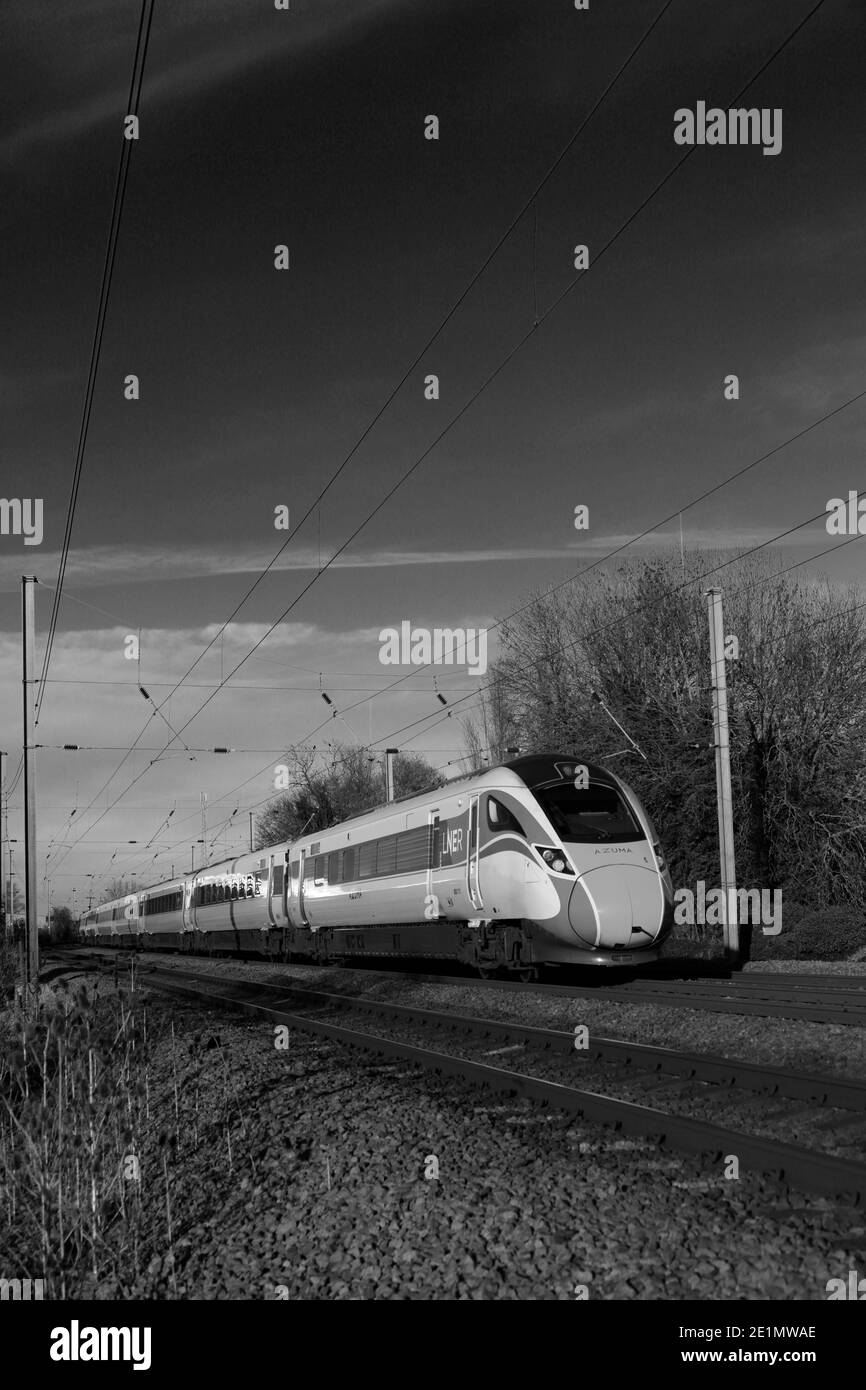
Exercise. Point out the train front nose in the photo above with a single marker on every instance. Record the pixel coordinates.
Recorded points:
(617, 905)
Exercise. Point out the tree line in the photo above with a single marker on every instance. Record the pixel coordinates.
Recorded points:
(638, 638)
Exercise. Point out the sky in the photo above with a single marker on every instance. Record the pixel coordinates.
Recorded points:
(306, 128)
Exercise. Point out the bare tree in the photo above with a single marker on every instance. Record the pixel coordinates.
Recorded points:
(638, 638)
(117, 888)
(62, 926)
(332, 785)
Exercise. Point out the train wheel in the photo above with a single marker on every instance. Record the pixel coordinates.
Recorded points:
(527, 974)
(487, 972)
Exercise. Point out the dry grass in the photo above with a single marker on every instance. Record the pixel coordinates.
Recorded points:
(100, 1109)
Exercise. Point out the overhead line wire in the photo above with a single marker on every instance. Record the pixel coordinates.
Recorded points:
(560, 298)
(141, 47)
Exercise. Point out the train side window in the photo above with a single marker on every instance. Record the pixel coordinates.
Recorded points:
(413, 850)
(319, 866)
(350, 865)
(367, 859)
(386, 857)
(277, 885)
(499, 818)
(335, 865)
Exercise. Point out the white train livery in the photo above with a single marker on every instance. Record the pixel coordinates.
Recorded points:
(535, 862)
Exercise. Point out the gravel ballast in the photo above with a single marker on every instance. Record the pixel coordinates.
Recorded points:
(834, 1049)
(315, 1188)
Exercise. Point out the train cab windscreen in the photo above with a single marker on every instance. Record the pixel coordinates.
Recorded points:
(592, 814)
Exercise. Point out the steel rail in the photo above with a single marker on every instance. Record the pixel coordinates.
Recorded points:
(816, 1010)
(829, 1091)
(704, 997)
(796, 1166)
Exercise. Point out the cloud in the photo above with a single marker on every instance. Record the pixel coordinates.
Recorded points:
(106, 565)
(93, 701)
(217, 34)
(817, 378)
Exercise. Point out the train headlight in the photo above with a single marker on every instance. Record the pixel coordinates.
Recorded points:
(554, 859)
(657, 851)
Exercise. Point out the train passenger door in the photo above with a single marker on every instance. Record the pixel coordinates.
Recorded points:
(302, 911)
(432, 857)
(269, 889)
(189, 904)
(472, 884)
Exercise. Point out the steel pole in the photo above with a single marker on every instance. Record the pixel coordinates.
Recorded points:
(31, 953)
(390, 755)
(724, 798)
(3, 899)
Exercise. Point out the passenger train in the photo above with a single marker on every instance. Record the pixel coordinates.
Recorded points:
(544, 860)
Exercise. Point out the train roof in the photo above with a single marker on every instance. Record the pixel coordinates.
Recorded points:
(532, 770)
(537, 769)
(405, 804)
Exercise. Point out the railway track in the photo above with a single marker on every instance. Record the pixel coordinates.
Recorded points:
(816, 999)
(813, 998)
(834, 1105)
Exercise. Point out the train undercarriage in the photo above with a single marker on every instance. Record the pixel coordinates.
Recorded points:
(516, 949)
